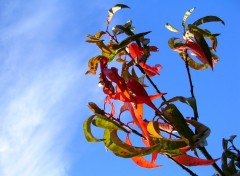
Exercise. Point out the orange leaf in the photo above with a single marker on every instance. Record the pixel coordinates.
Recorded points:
(141, 161)
(188, 160)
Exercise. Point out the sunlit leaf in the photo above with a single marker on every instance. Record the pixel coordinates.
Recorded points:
(87, 130)
(93, 64)
(185, 17)
(177, 120)
(107, 123)
(149, 70)
(153, 129)
(113, 10)
(117, 150)
(207, 19)
(171, 28)
(166, 127)
(142, 162)
(188, 160)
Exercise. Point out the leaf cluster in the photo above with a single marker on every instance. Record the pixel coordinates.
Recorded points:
(168, 132)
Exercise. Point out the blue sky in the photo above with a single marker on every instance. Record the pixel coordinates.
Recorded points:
(44, 91)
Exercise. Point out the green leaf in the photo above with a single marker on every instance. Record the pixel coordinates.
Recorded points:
(193, 64)
(173, 44)
(128, 40)
(171, 28)
(107, 123)
(205, 33)
(169, 144)
(87, 130)
(207, 19)
(202, 132)
(113, 10)
(185, 17)
(203, 44)
(176, 119)
(117, 150)
(189, 101)
(127, 29)
(225, 144)
(94, 108)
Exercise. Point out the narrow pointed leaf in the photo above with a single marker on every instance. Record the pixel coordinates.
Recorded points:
(188, 160)
(177, 120)
(204, 46)
(189, 101)
(171, 28)
(207, 19)
(128, 40)
(113, 10)
(185, 17)
(205, 33)
(87, 130)
(107, 123)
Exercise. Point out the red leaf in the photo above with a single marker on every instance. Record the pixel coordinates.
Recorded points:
(140, 93)
(108, 100)
(141, 161)
(198, 52)
(134, 51)
(188, 160)
(150, 71)
(153, 48)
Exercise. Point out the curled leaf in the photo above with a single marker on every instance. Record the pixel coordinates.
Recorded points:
(113, 10)
(187, 14)
(87, 130)
(207, 19)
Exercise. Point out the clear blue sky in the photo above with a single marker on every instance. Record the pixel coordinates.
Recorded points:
(44, 92)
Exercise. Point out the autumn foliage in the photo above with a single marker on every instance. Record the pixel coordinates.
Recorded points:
(168, 132)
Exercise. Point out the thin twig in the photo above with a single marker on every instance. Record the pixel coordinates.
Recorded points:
(189, 74)
(209, 157)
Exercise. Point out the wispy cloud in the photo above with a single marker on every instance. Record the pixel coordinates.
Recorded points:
(35, 81)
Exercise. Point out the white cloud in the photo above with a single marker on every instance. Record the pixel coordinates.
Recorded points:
(42, 86)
